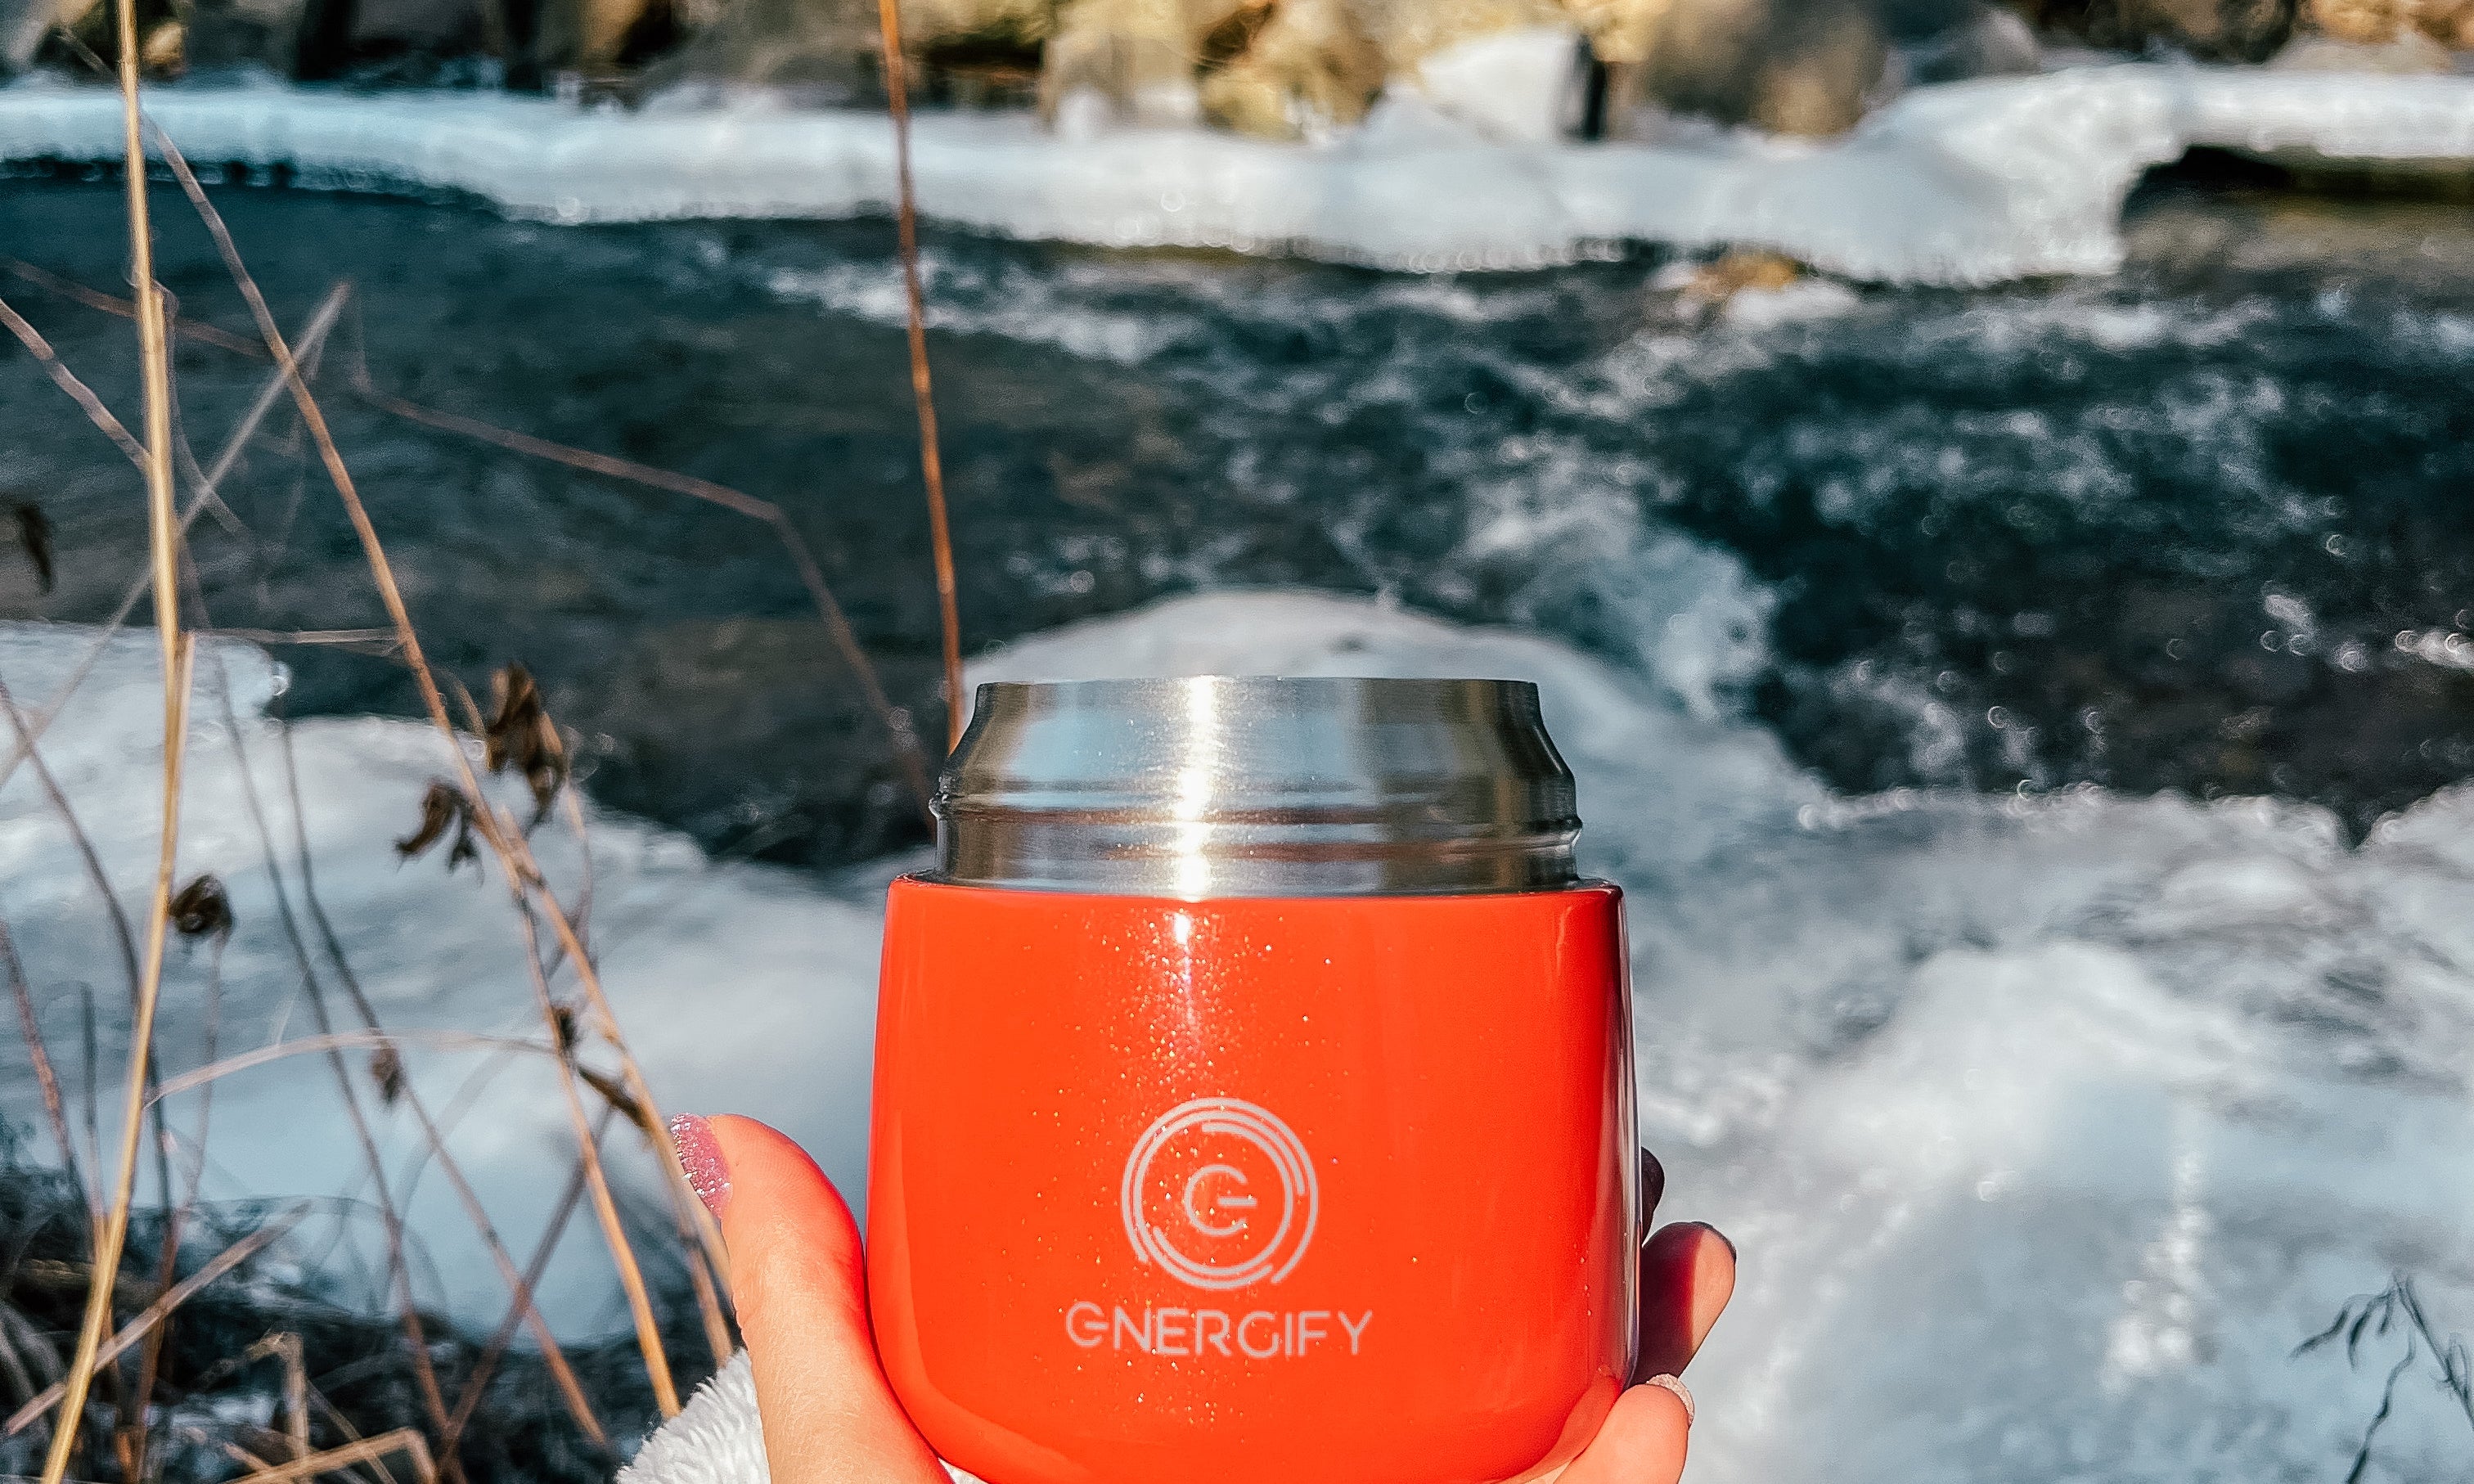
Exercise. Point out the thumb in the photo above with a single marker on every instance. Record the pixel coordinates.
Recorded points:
(800, 1283)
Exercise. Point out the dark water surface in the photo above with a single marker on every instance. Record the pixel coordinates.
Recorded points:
(2204, 525)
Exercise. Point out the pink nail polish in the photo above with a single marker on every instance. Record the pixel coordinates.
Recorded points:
(708, 1173)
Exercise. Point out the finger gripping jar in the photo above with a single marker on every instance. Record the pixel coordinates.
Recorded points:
(1254, 1093)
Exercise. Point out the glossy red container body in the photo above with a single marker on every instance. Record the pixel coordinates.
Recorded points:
(1258, 1190)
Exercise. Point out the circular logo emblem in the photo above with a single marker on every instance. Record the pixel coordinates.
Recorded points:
(1220, 1193)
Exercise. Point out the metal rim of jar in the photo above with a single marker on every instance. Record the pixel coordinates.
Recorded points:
(1218, 786)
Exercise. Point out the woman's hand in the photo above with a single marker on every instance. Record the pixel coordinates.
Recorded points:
(800, 1284)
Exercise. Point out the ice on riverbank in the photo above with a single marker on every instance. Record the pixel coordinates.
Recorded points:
(1967, 182)
(2045, 1126)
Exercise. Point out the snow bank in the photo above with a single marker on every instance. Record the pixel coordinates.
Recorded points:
(2045, 1128)
(1963, 184)
(704, 962)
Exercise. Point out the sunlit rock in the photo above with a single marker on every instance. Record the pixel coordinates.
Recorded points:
(2386, 23)
(2404, 53)
(1808, 68)
(1515, 85)
(1137, 56)
(2209, 29)
(2448, 22)
(1300, 68)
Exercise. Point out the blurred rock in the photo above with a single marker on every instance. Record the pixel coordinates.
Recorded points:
(1619, 30)
(1290, 68)
(226, 34)
(1406, 33)
(2247, 30)
(824, 50)
(1992, 42)
(1507, 69)
(1522, 87)
(2405, 53)
(1290, 71)
(2362, 22)
(1712, 284)
(71, 36)
(1135, 61)
(418, 30)
(2448, 22)
(1808, 68)
(828, 51)
(25, 23)
(1821, 88)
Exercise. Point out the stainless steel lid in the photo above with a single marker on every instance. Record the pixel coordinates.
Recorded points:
(1256, 786)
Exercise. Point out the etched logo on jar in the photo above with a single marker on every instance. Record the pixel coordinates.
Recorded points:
(1220, 1194)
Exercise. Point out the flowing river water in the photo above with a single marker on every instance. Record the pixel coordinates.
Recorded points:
(2196, 526)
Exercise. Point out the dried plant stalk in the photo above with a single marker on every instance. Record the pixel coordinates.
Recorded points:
(334, 1460)
(67, 382)
(477, 1381)
(342, 1040)
(136, 1329)
(555, 1358)
(522, 876)
(812, 575)
(313, 336)
(163, 541)
(932, 463)
(115, 1224)
(55, 1111)
(639, 1302)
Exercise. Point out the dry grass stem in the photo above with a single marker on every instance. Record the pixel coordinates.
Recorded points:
(168, 1244)
(717, 1332)
(67, 380)
(96, 298)
(932, 463)
(605, 1208)
(325, 1043)
(378, 641)
(287, 1348)
(163, 539)
(811, 576)
(123, 936)
(312, 335)
(473, 1209)
(154, 352)
(55, 1111)
(477, 1383)
(521, 1287)
(136, 1329)
(381, 572)
(115, 1233)
(12, 1365)
(335, 1460)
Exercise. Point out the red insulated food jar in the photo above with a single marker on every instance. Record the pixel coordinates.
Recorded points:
(1254, 1094)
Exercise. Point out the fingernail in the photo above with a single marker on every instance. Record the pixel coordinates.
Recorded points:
(700, 1158)
(1682, 1394)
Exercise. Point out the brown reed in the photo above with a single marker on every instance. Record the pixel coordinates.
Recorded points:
(932, 463)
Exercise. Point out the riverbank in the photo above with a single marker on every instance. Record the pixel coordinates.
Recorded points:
(1963, 184)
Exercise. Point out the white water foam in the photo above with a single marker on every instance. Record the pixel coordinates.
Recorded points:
(2045, 1126)
(1967, 182)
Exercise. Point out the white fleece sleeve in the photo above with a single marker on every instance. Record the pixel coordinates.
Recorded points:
(717, 1438)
